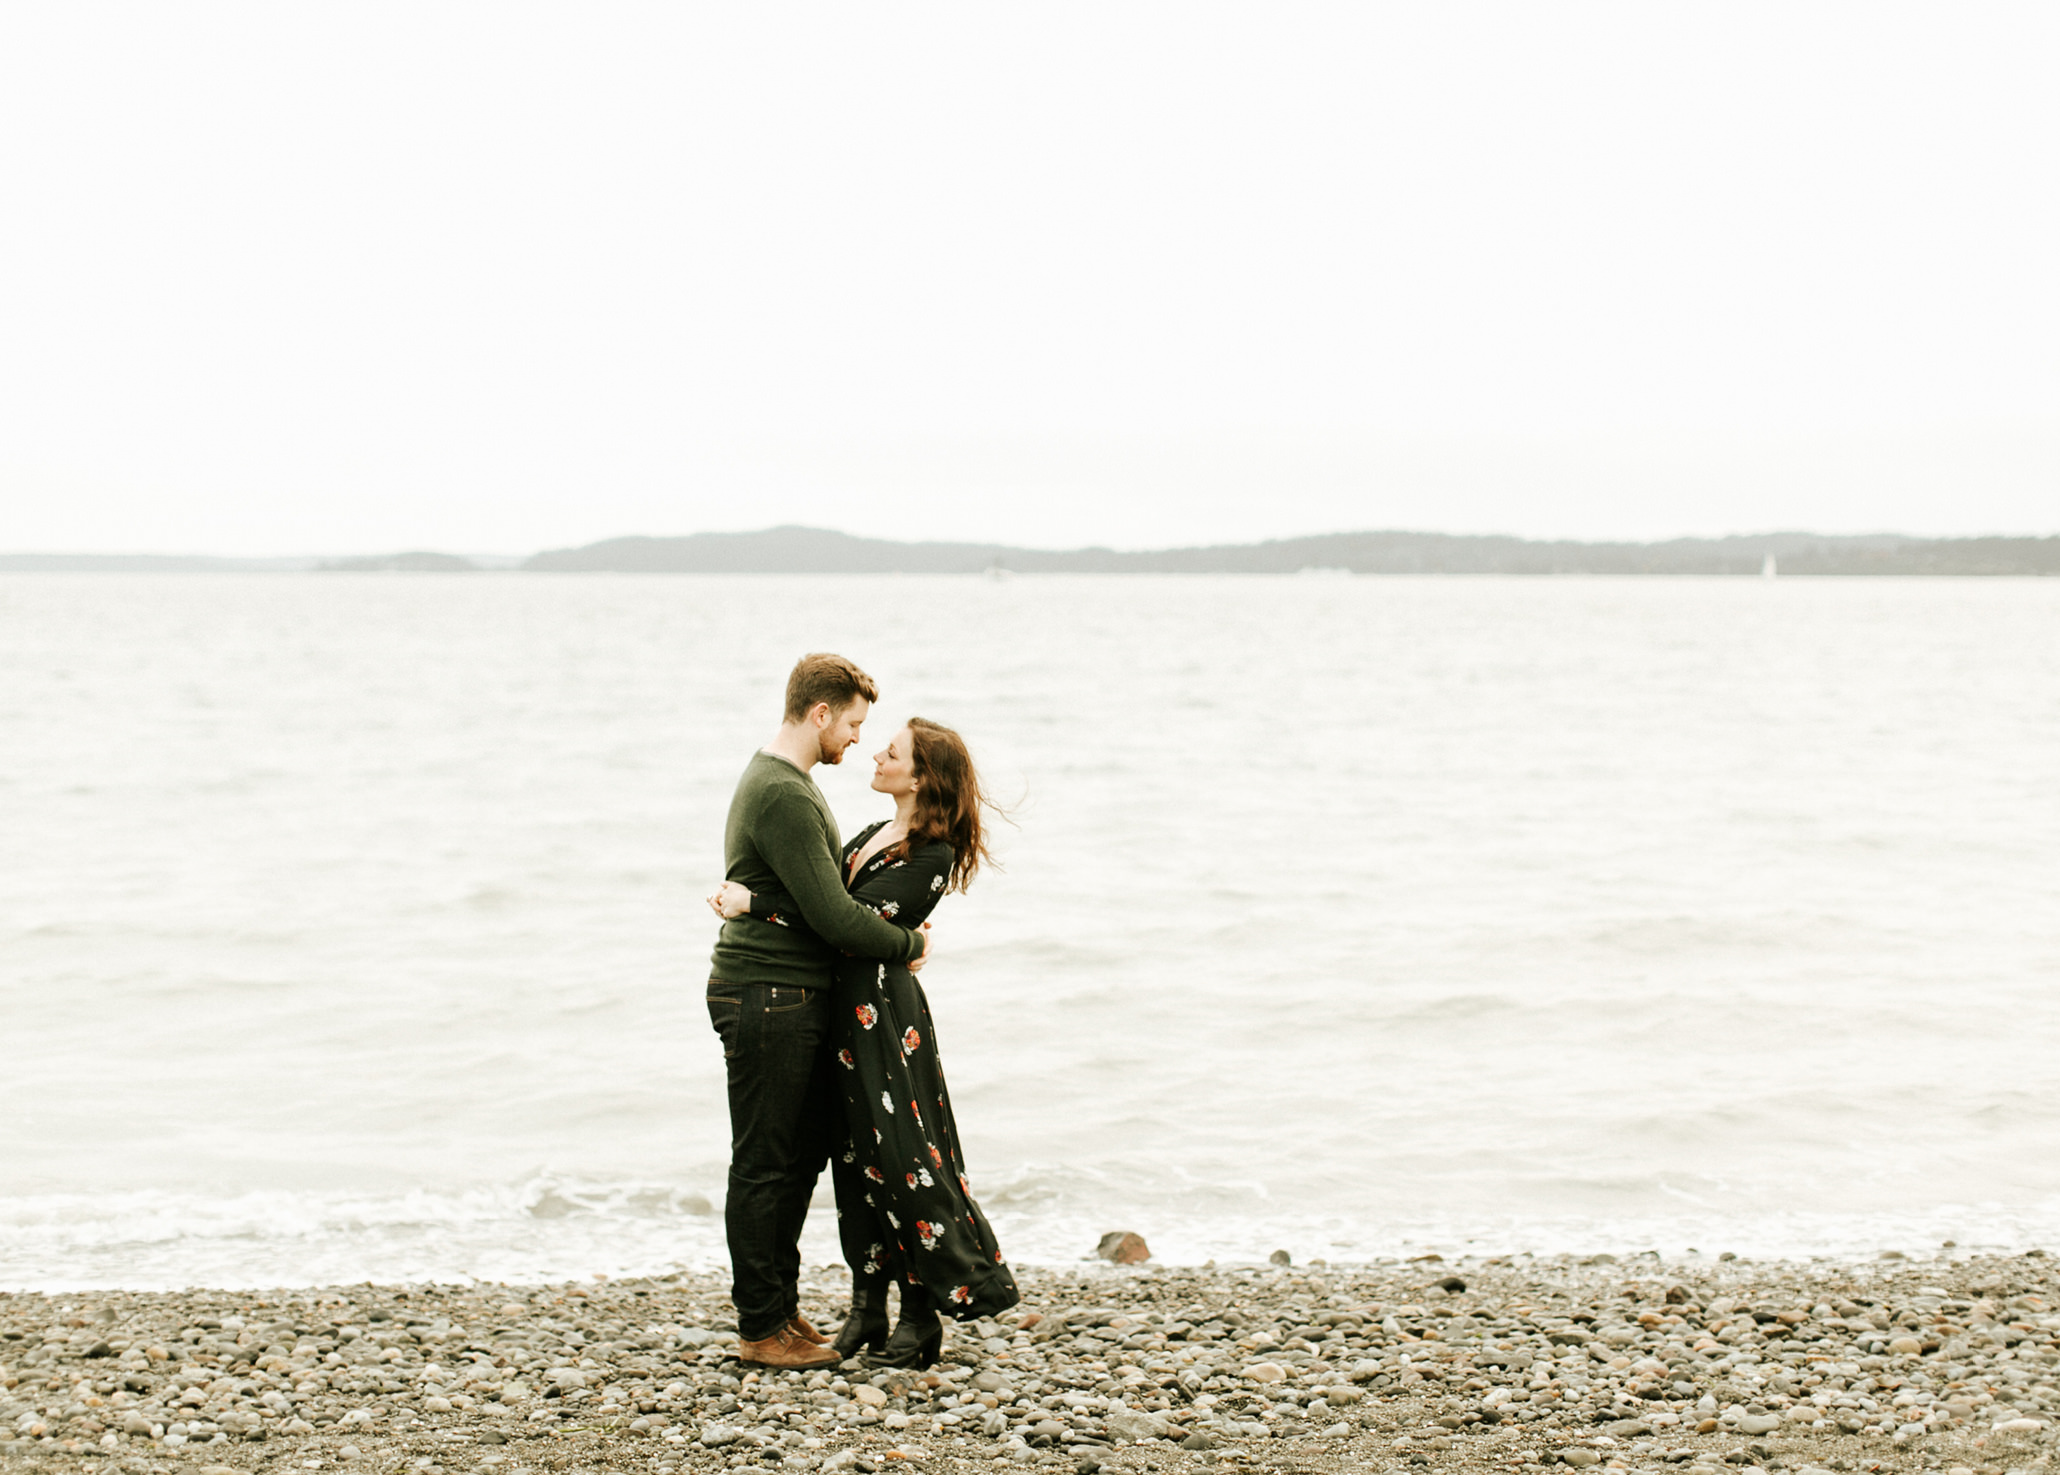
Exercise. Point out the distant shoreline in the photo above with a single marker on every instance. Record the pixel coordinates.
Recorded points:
(797, 550)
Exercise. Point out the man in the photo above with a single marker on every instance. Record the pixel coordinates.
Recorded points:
(768, 998)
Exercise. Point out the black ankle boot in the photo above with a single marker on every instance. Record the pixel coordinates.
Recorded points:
(918, 1337)
(866, 1326)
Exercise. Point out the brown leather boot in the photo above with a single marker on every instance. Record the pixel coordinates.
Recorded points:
(785, 1348)
(798, 1324)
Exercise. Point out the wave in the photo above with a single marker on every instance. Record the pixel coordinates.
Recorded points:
(547, 1228)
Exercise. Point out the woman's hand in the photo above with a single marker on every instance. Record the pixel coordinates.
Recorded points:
(731, 900)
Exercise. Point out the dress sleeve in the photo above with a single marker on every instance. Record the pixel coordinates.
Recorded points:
(775, 907)
(905, 891)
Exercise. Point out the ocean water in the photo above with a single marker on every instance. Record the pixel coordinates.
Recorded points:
(350, 926)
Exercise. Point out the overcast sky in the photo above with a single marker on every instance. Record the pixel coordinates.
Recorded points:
(286, 278)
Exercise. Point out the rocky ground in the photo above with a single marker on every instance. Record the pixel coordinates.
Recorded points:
(1698, 1367)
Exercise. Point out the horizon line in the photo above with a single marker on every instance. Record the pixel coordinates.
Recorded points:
(998, 544)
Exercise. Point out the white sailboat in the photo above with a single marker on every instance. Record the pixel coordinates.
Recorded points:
(1767, 569)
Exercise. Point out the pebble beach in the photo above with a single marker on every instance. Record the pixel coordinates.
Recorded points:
(1708, 1366)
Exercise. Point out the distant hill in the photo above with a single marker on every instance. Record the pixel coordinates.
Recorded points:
(798, 550)
(783, 550)
(400, 563)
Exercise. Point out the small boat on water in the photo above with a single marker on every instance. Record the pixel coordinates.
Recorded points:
(1767, 569)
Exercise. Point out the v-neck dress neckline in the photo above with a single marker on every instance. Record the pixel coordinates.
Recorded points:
(859, 841)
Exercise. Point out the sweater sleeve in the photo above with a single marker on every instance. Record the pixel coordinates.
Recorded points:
(789, 835)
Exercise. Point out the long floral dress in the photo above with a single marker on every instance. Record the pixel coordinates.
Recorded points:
(904, 1205)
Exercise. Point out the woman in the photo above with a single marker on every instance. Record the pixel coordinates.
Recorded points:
(905, 1211)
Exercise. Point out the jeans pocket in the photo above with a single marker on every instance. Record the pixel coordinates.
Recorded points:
(785, 1000)
(725, 1014)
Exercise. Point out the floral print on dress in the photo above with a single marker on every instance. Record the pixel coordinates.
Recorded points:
(910, 1170)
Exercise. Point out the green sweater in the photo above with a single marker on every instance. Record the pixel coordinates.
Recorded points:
(782, 837)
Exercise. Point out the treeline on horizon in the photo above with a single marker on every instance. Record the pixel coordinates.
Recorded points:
(814, 550)
(798, 550)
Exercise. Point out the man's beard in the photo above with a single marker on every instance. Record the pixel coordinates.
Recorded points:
(831, 754)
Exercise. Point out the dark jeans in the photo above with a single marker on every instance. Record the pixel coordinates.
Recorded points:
(783, 1119)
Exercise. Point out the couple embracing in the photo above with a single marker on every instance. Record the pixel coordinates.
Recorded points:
(827, 1041)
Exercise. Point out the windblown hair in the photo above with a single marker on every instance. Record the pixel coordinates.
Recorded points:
(948, 800)
(826, 678)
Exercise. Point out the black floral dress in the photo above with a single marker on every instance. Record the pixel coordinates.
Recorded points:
(904, 1205)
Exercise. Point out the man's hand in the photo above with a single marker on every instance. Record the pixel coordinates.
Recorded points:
(730, 900)
(929, 949)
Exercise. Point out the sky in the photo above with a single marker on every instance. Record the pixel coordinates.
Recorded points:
(327, 278)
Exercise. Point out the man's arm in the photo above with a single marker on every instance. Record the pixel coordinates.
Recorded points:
(789, 836)
(777, 909)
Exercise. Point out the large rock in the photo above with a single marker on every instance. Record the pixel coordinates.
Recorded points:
(1129, 1424)
(1121, 1247)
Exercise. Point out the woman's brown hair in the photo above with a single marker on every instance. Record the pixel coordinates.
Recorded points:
(948, 800)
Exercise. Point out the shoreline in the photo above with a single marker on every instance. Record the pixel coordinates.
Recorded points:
(1638, 1365)
(544, 1231)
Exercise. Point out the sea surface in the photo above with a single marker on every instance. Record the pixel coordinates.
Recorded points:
(351, 926)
